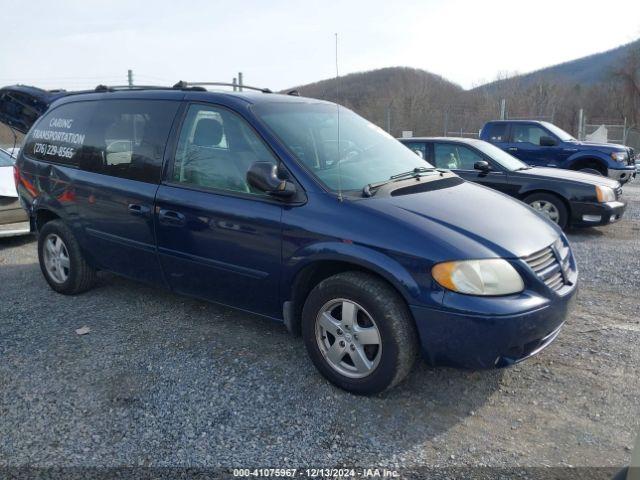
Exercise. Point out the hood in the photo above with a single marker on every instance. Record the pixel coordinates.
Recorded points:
(470, 221)
(603, 147)
(571, 175)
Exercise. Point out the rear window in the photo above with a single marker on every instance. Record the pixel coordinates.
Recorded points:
(120, 138)
(60, 135)
(496, 132)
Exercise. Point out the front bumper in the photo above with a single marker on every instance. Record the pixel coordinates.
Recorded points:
(593, 214)
(473, 340)
(623, 175)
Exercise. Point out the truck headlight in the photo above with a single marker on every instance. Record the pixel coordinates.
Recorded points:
(620, 156)
(478, 277)
(605, 194)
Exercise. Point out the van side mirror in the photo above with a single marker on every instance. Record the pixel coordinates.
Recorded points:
(483, 166)
(546, 141)
(264, 177)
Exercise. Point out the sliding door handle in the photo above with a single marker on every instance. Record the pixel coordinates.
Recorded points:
(171, 217)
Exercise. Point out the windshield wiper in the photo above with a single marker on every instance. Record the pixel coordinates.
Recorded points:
(371, 188)
(527, 167)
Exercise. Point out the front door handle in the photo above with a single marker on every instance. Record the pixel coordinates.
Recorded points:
(171, 217)
(513, 149)
(137, 209)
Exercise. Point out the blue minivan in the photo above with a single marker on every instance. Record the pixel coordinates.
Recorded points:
(299, 210)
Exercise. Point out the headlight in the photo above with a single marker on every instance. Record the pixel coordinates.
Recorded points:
(479, 277)
(605, 194)
(620, 156)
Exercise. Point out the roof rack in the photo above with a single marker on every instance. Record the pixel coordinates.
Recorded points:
(113, 88)
(183, 84)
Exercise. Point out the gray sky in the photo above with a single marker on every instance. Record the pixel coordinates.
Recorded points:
(282, 43)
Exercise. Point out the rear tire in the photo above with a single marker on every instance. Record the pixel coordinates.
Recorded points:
(61, 260)
(551, 206)
(373, 324)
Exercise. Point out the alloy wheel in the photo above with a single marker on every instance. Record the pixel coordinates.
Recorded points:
(348, 338)
(56, 258)
(548, 209)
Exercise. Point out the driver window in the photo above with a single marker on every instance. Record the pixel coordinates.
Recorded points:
(528, 134)
(455, 157)
(216, 149)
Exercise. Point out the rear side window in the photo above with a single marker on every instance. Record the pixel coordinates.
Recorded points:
(121, 138)
(496, 132)
(127, 138)
(60, 135)
(419, 149)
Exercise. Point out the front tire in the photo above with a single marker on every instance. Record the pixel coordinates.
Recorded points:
(359, 333)
(551, 206)
(61, 260)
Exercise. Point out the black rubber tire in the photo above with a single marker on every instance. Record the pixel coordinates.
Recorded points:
(81, 275)
(563, 212)
(395, 324)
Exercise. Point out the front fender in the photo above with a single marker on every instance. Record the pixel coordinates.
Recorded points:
(588, 155)
(558, 188)
(384, 265)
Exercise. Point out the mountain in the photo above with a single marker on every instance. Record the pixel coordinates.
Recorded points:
(402, 97)
(585, 71)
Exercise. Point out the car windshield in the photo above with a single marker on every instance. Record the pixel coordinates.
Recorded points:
(507, 161)
(558, 132)
(6, 160)
(361, 154)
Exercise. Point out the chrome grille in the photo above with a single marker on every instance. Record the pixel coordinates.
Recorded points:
(618, 193)
(549, 266)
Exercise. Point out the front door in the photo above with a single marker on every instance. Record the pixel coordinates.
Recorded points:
(218, 238)
(525, 145)
(461, 159)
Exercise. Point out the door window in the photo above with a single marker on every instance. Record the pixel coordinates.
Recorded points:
(216, 149)
(127, 138)
(527, 133)
(455, 157)
(419, 149)
(496, 132)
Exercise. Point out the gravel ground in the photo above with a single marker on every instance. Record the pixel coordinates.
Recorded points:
(165, 380)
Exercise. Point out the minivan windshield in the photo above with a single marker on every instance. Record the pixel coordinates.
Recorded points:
(558, 132)
(361, 154)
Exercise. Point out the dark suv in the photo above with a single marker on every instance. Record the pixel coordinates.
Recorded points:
(259, 202)
(542, 144)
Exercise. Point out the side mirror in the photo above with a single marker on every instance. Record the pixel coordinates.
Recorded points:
(264, 177)
(483, 166)
(546, 141)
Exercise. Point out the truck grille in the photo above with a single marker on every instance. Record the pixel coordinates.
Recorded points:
(618, 192)
(551, 265)
(632, 157)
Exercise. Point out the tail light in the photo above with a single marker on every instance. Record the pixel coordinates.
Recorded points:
(16, 175)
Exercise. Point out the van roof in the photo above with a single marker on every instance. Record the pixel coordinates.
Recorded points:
(168, 93)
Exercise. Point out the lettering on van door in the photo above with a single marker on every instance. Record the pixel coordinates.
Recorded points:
(57, 130)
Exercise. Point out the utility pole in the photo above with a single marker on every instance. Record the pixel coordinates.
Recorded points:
(240, 81)
(388, 119)
(503, 109)
(581, 124)
(130, 77)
